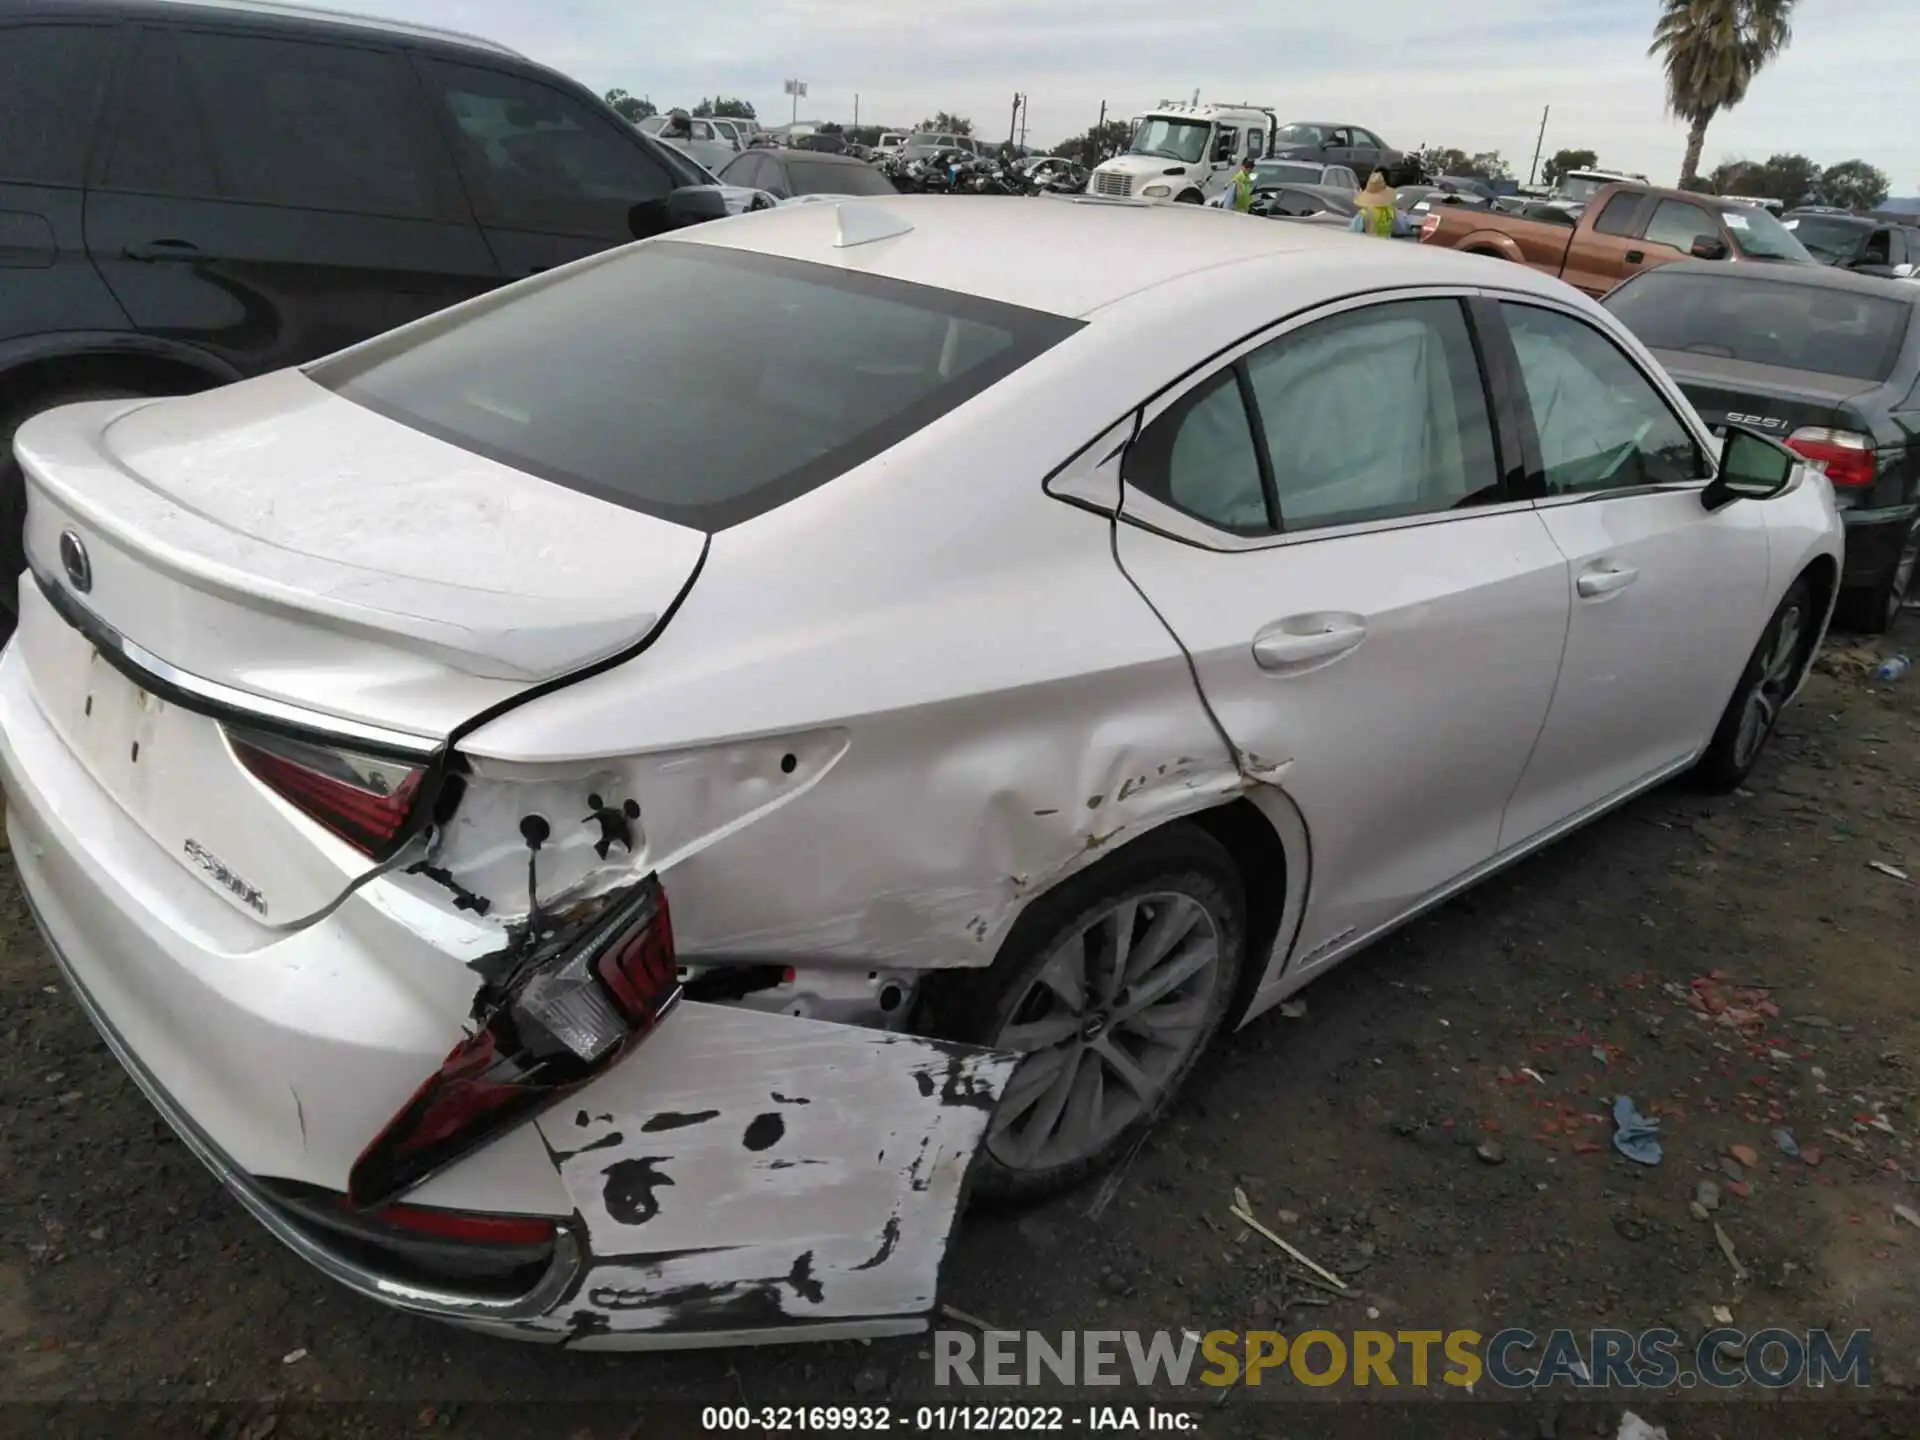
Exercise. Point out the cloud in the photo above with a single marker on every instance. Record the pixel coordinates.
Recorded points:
(1475, 76)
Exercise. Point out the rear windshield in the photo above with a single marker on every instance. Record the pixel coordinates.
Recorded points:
(1817, 328)
(1270, 173)
(810, 177)
(698, 384)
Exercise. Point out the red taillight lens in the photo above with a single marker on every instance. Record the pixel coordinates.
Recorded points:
(577, 992)
(364, 799)
(1428, 226)
(1846, 456)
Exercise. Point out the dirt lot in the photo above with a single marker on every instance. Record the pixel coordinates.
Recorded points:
(1736, 966)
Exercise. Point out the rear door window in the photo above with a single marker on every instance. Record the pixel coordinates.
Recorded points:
(1618, 215)
(49, 84)
(277, 122)
(159, 142)
(701, 384)
(538, 159)
(1677, 225)
(1375, 414)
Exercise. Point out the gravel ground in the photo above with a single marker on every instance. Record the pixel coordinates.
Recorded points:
(1735, 965)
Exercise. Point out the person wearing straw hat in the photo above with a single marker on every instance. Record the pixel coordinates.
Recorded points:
(1377, 209)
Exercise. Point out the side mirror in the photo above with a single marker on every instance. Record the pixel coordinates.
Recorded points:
(1752, 467)
(689, 205)
(1708, 247)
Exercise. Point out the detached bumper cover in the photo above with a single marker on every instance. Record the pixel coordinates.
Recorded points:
(569, 1254)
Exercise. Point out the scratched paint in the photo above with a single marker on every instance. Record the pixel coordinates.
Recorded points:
(743, 1171)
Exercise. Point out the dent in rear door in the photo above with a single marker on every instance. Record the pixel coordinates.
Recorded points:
(745, 1171)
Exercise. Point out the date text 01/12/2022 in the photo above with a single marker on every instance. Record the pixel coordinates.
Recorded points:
(939, 1419)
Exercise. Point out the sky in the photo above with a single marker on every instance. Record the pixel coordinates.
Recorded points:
(1415, 71)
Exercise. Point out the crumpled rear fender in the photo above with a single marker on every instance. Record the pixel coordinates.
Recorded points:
(748, 1176)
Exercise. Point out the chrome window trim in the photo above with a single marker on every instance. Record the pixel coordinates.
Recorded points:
(195, 692)
(1146, 513)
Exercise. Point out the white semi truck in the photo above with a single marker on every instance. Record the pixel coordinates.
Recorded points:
(1185, 154)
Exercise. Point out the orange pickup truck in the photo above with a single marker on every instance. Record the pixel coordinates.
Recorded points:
(1623, 230)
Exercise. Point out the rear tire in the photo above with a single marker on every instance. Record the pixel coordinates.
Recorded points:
(1873, 609)
(1107, 1049)
(1773, 673)
(13, 490)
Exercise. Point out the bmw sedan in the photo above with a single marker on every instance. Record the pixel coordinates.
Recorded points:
(598, 861)
(1827, 362)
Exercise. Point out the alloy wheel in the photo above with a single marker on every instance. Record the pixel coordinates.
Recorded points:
(1107, 1025)
(1779, 670)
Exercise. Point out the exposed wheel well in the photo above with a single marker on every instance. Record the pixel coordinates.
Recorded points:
(1261, 858)
(1485, 250)
(1823, 575)
(147, 374)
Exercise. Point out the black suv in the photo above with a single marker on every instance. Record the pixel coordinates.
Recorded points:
(194, 194)
(1857, 242)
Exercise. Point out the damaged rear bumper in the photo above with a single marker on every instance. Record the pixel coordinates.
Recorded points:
(742, 1176)
(817, 1212)
(569, 1256)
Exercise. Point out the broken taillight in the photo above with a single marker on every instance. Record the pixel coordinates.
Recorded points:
(569, 997)
(364, 799)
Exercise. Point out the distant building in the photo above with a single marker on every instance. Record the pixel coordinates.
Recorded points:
(1903, 208)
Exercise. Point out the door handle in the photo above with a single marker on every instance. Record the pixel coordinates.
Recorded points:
(1634, 257)
(1282, 646)
(152, 250)
(1599, 581)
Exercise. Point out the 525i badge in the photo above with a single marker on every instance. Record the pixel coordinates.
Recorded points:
(217, 868)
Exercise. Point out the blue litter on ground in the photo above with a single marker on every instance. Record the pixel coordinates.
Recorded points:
(1635, 1136)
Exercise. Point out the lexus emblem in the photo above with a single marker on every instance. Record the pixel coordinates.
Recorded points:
(73, 559)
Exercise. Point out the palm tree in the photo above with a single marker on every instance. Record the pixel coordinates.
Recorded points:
(1711, 50)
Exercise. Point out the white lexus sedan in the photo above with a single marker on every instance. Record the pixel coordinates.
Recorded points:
(599, 813)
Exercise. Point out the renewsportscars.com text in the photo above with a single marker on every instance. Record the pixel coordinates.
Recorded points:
(1511, 1359)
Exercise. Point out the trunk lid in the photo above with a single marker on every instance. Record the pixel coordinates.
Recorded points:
(275, 553)
(278, 539)
(1768, 398)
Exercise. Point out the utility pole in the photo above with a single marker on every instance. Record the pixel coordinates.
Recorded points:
(1023, 122)
(1098, 131)
(856, 109)
(1533, 173)
(1013, 121)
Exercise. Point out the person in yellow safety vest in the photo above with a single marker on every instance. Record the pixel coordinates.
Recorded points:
(1376, 204)
(1243, 186)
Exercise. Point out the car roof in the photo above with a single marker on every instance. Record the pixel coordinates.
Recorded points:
(1036, 253)
(1818, 277)
(273, 11)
